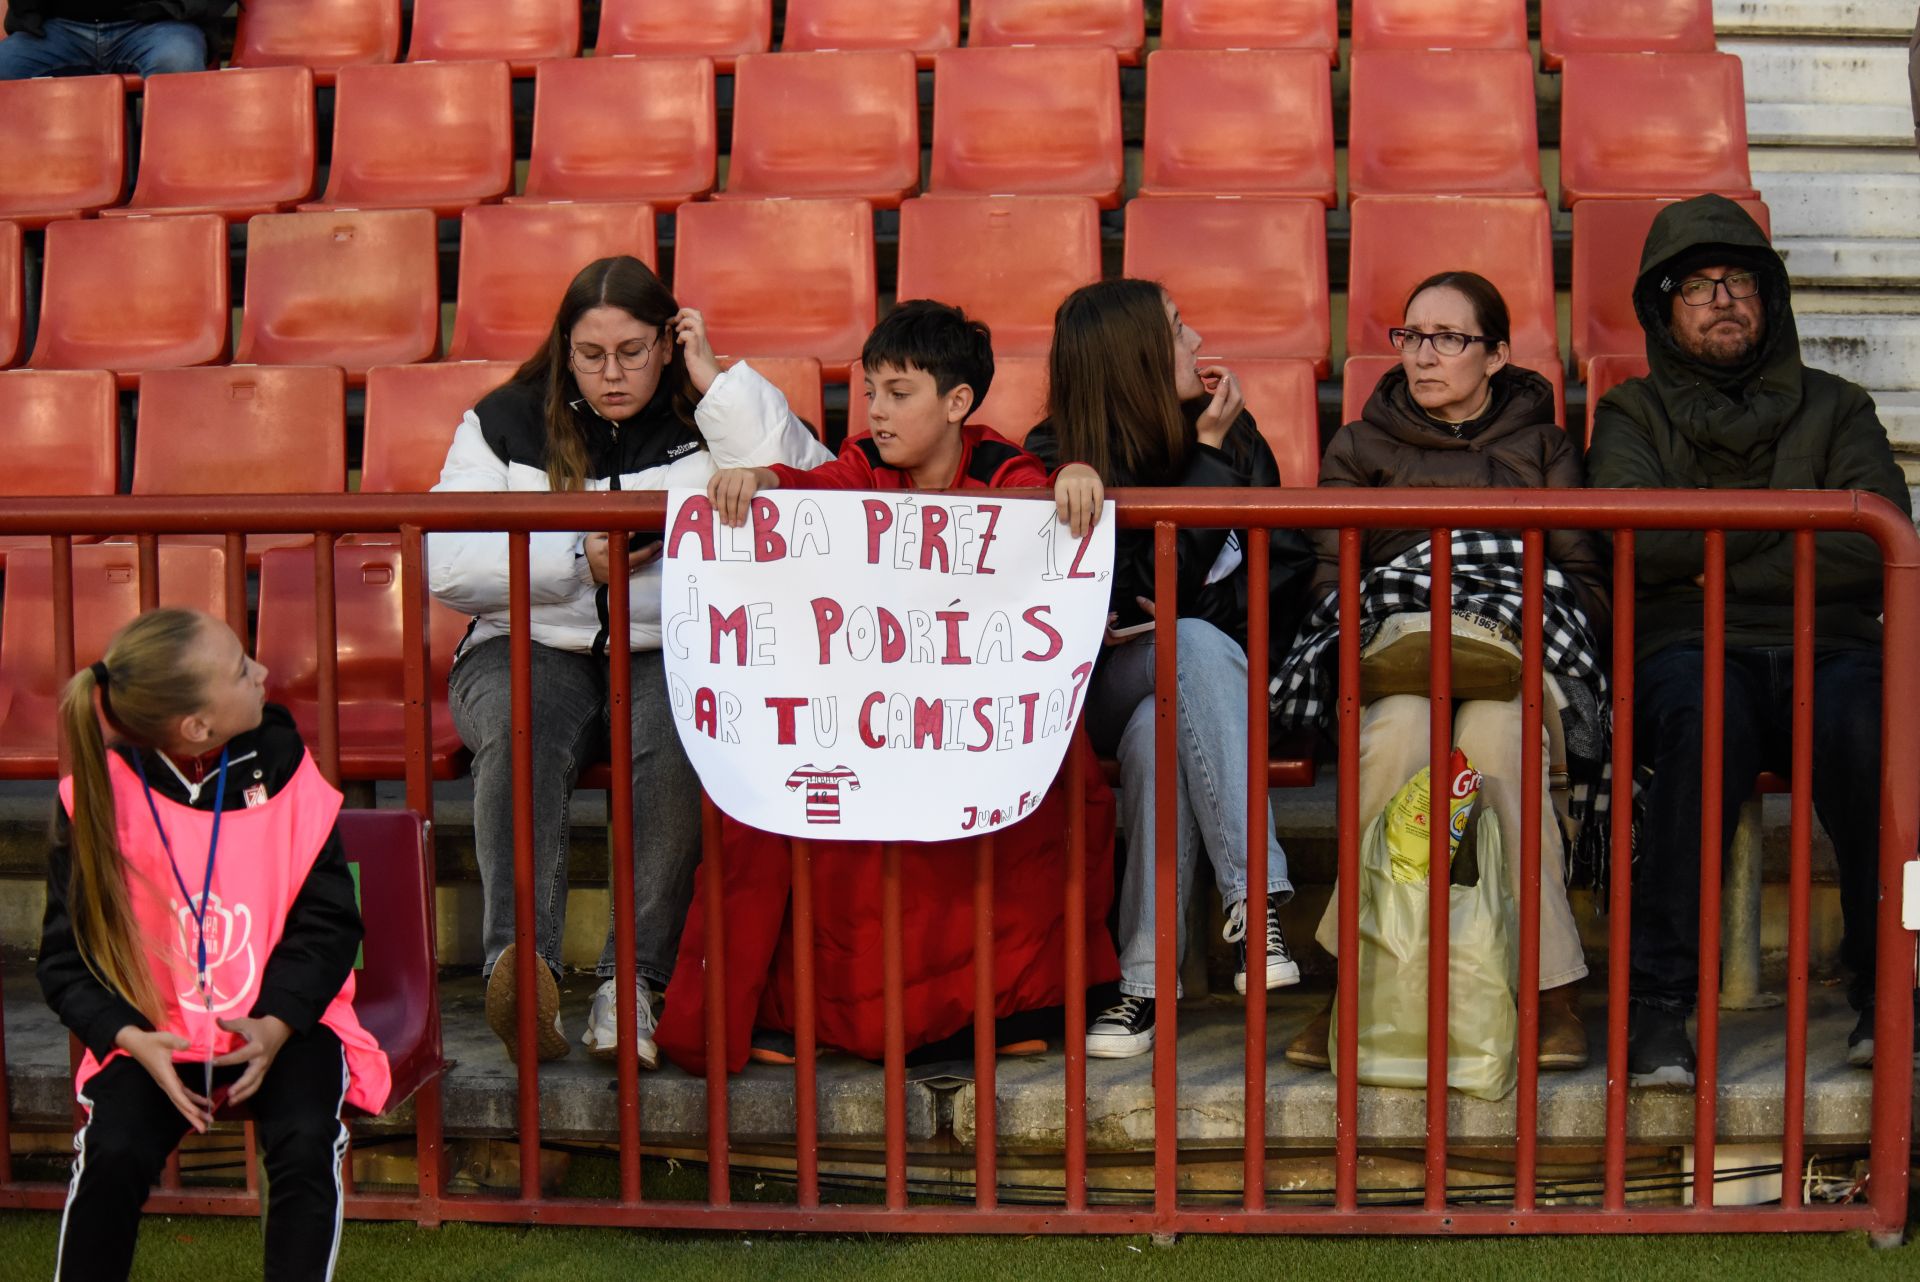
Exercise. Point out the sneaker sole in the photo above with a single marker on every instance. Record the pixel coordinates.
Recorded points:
(1566, 1063)
(503, 1007)
(649, 1057)
(1119, 1047)
(1307, 1059)
(1672, 1077)
(1279, 975)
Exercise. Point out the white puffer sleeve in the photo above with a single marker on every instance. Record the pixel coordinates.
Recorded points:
(747, 423)
(468, 571)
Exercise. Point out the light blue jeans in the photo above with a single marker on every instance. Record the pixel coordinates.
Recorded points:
(1210, 787)
(75, 47)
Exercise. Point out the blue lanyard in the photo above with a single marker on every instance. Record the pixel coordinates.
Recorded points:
(213, 847)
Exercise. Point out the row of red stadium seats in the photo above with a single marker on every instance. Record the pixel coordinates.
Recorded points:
(798, 278)
(847, 124)
(332, 33)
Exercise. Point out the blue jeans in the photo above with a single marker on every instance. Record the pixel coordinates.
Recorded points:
(1759, 736)
(1210, 787)
(569, 732)
(94, 48)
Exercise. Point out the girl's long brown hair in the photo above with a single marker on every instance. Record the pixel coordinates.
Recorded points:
(1110, 394)
(630, 285)
(152, 682)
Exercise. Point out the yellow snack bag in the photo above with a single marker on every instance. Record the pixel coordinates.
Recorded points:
(1407, 817)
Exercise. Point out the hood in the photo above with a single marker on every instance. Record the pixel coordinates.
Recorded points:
(1521, 399)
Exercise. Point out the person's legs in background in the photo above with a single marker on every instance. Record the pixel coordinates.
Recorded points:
(153, 48)
(63, 47)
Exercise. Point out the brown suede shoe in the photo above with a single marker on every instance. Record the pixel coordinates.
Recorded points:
(1563, 1038)
(1308, 1049)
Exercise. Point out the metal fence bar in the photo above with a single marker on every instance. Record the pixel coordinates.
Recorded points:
(1167, 917)
(147, 547)
(719, 1166)
(236, 585)
(986, 1126)
(806, 1100)
(416, 673)
(620, 860)
(527, 952)
(894, 1033)
(1800, 877)
(1074, 1035)
(326, 653)
(1346, 1057)
(1532, 727)
(1439, 861)
(1253, 1178)
(1713, 781)
(1620, 868)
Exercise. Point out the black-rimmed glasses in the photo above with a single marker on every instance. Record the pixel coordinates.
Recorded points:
(1445, 342)
(1700, 290)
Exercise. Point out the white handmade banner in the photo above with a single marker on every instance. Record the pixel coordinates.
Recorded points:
(879, 667)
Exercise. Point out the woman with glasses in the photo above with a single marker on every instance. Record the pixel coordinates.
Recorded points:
(624, 394)
(1457, 413)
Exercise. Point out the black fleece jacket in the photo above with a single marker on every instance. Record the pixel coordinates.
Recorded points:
(317, 946)
(31, 16)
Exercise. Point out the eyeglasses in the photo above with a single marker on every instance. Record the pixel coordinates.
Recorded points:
(1701, 290)
(1446, 342)
(630, 358)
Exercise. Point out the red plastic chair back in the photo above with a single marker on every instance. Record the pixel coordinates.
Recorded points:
(1392, 149)
(1608, 237)
(1004, 260)
(325, 37)
(1249, 274)
(1284, 398)
(63, 147)
(347, 288)
(840, 124)
(133, 294)
(665, 152)
(798, 378)
(106, 595)
(521, 33)
(1252, 24)
(1120, 25)
(412, 411)
(779, 277)
(717, 29)
(242, 429)
(59, 434)
(1618, 131)
(12, 291)
(1239, 122)
(922, 27)
(394, 988)
(1623, 26)
(1439, 24)
(433, 134)
(234, 143)
(1361, 374)
(1016, 399)
(516, 262)
(369, 601)
(1030, 122)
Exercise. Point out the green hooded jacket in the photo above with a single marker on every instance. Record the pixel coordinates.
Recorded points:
(1771, 423)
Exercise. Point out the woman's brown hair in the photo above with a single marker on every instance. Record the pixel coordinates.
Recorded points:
(630, 285)
(151, 682)
(1110, 393)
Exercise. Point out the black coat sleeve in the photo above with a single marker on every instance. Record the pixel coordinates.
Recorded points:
(94, 1012)
(317, 945)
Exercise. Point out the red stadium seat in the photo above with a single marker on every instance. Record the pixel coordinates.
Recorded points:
(324, 36)
(779, 277)
(59, 434)
(922, 27)
(432, 134)
(133, 294)
(1029, 122)
(1608, 236)
(63, 147)
(1361, 374)
(1670, 124)
(1239, 122)
(1623, 26)
(1004, 260)
(1399, 241)
(234, 143)
(1016, 399)
(12, 291)
(1120, 25)
(1439, 24)
(393, 991)
(412, 411)
(717, 29)
(1393, 149)
(106, 596)
(345, 288)
(521, 33)
(515, 263)
(841, 124)
(665, 152)
(1284, 398)
(1250, 274)
(1252, 24)
(368, 588)
(798, 378)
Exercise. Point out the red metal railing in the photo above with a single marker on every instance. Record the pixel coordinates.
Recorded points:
(1440, 511)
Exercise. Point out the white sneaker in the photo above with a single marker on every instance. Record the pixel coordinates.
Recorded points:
(602, 1038)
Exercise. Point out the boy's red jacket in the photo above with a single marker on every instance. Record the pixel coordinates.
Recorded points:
(988, 461)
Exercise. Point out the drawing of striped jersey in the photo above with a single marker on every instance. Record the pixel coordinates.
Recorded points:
(823, 790)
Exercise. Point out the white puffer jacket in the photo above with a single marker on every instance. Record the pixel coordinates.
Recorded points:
(501, 445)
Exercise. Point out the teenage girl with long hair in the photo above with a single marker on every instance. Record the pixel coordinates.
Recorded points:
(199, 939)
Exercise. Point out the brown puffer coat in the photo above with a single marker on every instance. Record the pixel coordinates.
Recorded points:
(1515, 444)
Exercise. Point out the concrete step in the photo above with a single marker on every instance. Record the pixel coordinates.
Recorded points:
(1875, 18)
(1880, 352)
(1832, 93)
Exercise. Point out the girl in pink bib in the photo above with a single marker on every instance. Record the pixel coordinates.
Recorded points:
(199, 939)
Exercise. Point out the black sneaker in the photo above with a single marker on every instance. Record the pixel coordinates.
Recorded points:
(1123, 1030)
(1282, 969)
(1659, 1052)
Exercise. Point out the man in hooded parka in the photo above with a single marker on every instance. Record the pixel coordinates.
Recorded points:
(1729, 405)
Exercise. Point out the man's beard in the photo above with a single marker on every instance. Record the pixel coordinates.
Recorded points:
(1726, 348)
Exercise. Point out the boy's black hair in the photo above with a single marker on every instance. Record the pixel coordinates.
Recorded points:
(937, 338)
